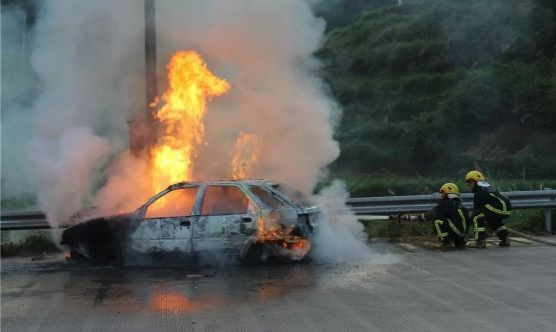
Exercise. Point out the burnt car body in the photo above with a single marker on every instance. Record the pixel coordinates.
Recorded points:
(247, 219)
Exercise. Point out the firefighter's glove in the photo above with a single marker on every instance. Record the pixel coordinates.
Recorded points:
(408, 217)
(404, 217)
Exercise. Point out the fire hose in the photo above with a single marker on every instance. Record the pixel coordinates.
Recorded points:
(531, 237)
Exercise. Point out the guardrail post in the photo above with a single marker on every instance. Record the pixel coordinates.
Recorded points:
(548, 219)
(548, 215)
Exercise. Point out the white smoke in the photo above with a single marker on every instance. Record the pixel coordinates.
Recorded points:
(63, 169)
(90, 81)
(126, 189)
(16, 89)
(340, 236)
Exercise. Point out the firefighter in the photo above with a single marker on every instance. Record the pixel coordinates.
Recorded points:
(490, 208)
(449, 217)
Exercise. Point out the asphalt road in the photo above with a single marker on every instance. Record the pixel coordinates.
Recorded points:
(411, 289)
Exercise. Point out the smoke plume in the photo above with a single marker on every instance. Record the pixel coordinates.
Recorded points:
(340, 236)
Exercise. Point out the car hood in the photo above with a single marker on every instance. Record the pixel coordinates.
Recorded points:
(96, 229)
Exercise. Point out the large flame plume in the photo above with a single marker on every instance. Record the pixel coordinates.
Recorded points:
(191, 84)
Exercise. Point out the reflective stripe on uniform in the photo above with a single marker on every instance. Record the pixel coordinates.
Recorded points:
(495, 210)
(437, 224)
(463, 220)
(454, 228)
(499, 229)
(477, 228)
(476, 218)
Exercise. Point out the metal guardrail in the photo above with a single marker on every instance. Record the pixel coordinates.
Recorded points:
(420, 203)
(23, 220)
(384, 205)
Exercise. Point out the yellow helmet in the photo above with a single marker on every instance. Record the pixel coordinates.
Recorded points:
(474, 175)
(449, 188)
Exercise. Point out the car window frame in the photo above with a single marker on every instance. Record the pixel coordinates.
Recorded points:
(194, 210)
(238, 187)
(284, 204)
(284, 197)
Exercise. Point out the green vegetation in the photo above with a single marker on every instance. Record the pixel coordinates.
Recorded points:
(529, 221)
(430, 87)
(433, 88)
(363, 185)
(20, 203)
(33, 245)
(395, 231)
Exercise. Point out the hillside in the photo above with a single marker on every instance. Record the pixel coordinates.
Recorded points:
(430, 87)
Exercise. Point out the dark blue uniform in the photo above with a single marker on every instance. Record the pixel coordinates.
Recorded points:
(450, 220)
(490, 208)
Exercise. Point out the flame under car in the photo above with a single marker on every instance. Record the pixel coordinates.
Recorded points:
(248, 219)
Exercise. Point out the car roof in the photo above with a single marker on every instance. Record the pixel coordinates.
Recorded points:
(223, 182)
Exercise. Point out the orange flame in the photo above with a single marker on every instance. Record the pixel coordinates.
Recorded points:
(245, 156)
(191, 84)
(292, 246)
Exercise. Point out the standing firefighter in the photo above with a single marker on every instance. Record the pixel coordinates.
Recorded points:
(490, 208)
(449, 217)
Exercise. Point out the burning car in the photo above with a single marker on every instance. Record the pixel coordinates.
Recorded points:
(249, 219)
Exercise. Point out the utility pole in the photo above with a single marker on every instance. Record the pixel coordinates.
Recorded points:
(150, 56)
(142, 129)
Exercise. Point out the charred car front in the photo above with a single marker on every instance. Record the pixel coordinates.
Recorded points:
(249, 219)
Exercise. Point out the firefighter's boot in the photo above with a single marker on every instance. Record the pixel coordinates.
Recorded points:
(443, 246)
(479, 244)
(505, 242)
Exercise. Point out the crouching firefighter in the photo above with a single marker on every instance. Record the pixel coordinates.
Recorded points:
(490, 208)
(449, 218)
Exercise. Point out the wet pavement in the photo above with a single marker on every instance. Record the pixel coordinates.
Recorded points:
(408, 289)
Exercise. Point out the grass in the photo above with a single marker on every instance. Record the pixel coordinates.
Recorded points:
(526, 221)
(530, 221)
(33, 245)
(395, 231)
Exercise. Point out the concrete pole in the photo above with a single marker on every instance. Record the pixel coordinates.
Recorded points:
(151, 83)
(548, 220)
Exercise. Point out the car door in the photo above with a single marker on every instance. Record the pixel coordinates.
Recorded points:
(225, 214)
(166, 223)
(288, 215)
